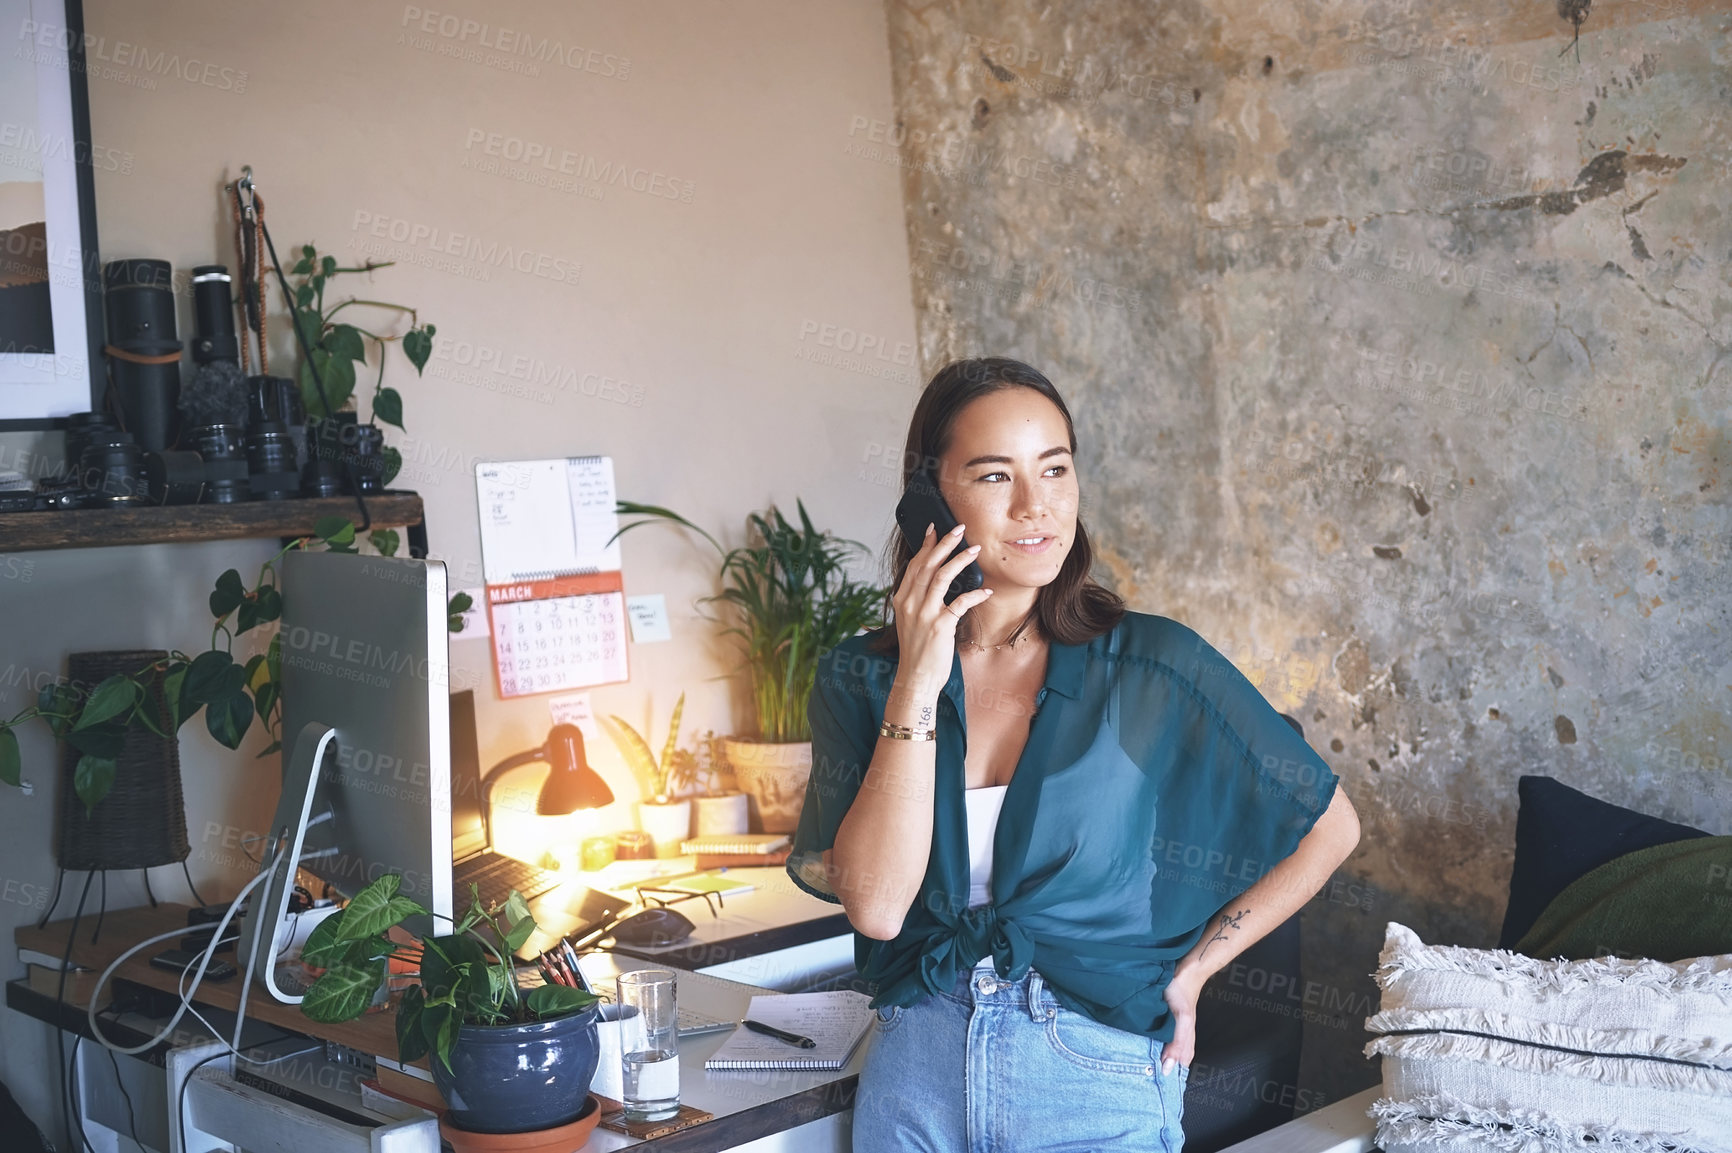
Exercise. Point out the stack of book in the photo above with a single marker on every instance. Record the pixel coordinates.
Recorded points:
(42, 971)
(744, 849)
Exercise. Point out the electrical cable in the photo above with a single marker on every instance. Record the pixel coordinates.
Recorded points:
(204, 963)
(265, 874)
(131, 1117)
(68, 1111)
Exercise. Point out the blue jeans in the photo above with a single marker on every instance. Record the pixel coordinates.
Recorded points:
(1000, 1066)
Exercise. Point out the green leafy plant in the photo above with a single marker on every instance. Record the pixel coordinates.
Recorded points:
(338, 348)
(664, 779)
(794, 602)
(94, 719)
(463, 977)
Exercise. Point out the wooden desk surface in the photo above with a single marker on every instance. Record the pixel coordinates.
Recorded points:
(374, 1033)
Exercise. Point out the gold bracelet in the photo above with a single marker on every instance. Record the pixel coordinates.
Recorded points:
(904, 733)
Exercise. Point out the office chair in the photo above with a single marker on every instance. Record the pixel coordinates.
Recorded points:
(1245, 1075)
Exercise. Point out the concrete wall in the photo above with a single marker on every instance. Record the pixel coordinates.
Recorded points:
(1397, 341)
(695, 341)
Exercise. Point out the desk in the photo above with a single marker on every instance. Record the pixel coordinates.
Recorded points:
(775, 1109)
(778, 936)
(776, 917)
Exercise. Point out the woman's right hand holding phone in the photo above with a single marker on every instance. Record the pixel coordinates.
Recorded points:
(925, 625)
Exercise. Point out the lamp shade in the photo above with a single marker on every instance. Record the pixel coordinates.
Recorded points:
(572, 785)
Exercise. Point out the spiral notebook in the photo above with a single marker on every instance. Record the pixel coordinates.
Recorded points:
(836, 1020)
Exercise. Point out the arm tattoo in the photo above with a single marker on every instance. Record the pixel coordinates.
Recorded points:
(926, 714)
(1223, 922)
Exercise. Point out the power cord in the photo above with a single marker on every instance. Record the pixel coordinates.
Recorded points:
(205, 957)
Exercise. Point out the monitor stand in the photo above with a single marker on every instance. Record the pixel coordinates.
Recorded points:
(271, 905)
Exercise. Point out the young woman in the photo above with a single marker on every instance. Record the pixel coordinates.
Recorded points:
(1049, 819)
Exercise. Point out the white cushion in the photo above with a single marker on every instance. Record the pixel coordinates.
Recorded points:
(1484, 1049)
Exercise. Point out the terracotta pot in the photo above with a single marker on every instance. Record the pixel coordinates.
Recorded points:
(774, 776)
(669, 823)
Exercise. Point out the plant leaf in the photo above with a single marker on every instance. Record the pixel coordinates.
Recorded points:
(11, 766)
(385, 540)
(418, 346)
(638, 756)
(376, 908)
(106, 741)
(393, 464)
(335, 530)
(324, 948)
(270, 604)
(328, 266)
(206, 676)
(439, 1024)
(345, 340)
(92, 779)
(229, 718)
(263, 698)
(227, 595)
(411, 1041)
(108, 700)
(388, 406)
(343, 993)
(247, 617)
(302, 267)
(559, 1000)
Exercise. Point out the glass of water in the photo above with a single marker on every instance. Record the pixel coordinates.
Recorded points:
(650, 1055)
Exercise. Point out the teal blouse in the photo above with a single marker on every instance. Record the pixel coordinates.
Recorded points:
(1157, 784)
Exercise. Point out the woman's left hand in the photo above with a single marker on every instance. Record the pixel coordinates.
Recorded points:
(1181, 997)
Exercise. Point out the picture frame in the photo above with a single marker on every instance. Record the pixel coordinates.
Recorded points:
(51, 319)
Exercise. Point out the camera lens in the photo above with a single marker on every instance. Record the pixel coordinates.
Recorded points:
(225, 462)
(143, 347)
(175, 477)
(271, 462)
(113, 473)
(213, 308)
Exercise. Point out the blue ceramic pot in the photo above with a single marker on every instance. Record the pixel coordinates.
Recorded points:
(520, 1078)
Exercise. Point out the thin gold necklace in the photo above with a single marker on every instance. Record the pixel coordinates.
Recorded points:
(1026, 637)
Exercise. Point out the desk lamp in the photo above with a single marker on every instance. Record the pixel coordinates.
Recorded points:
(572, 785)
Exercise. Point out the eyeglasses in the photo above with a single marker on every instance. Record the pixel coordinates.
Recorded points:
(712, 899)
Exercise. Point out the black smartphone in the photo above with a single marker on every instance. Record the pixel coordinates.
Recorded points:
(180, 960)
(923, 504)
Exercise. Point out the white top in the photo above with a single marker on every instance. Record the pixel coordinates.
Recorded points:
(983, 805)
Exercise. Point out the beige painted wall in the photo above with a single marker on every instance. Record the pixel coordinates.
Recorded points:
(708, 320)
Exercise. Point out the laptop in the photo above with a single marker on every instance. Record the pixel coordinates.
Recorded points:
(557, 913)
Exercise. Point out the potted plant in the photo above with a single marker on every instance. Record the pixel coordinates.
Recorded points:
(663, 814)
(718, 806)
(794, 603)
(505, 1060)
(337, 348)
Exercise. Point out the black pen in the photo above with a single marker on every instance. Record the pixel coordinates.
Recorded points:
(779, 1034)
(570, 956)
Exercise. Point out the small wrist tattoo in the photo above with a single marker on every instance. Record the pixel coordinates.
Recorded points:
(1223, 922)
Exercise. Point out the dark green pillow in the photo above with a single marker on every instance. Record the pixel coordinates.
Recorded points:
(1669, 902)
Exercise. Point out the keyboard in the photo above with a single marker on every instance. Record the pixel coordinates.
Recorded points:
(498, 874)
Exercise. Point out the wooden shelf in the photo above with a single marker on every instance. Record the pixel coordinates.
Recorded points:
(179, 524)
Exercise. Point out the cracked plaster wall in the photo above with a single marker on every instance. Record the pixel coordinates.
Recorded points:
(1396, 340)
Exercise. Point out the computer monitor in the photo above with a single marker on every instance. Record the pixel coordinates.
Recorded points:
(366, 737)
(468, 828)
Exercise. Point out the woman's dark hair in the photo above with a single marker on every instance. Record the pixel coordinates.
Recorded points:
(1071, 609)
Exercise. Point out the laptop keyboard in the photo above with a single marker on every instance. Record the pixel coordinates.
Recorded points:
(498, 874)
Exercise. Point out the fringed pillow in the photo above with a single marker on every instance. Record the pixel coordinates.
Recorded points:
(1485, 1049)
